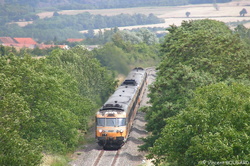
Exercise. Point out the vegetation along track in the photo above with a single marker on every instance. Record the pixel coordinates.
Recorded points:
(93, 155)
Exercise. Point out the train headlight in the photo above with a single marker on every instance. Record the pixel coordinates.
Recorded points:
(100, 130)
(119, 131)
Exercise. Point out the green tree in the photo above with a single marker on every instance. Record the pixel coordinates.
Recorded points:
(56, 13)
(169, 95)
(196, 43)
(188, 14)
(131, 37)
(113, 58)
(16, 150)
(2, 50)
(244, 33)
(131, 47)
(147, 36)
(15, 117)
(95, 83)
(243, 12)
(51, 96)
(213, 127)
(90, 33)
(197, 53)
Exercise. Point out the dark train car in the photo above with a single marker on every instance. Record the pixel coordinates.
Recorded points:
(115, 118)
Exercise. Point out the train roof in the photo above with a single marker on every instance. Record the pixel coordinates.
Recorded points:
(123, 95)
(120, 99)
(134, 77)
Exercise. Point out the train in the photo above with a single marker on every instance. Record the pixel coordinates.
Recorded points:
(114, 119)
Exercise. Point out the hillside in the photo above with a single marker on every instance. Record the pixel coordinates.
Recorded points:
(88, 4)
(227, 12)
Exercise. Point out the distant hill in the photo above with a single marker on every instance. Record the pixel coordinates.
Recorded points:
(94, 4)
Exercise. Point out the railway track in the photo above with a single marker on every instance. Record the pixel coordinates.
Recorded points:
(98, 158)
(128, 155)
(110, 158)
(107, 158)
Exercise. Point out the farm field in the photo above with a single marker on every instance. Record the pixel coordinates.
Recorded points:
(228, 12)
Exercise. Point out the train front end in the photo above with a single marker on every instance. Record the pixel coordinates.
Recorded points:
(111, 128)
(115, 118)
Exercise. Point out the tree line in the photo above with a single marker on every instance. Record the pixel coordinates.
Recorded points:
(65, 26)
(85, 21)
(47, 104)
(200, 99)
(87, 4)
(26, 10)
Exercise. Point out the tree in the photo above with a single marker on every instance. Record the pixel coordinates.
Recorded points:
(56, 14)
(243, 12)
(46, 103)
(91, 33)
(169, 95)
(147, 36)
(15, 118)
(2, 50)
(15, 150)
(188, 14)
(243, 32)
(198, 53)
(51, 97)
(213, 128)
(131, 37)
(113, 57)
(95, 83)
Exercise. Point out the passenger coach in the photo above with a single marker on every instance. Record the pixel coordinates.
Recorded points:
(115, 118)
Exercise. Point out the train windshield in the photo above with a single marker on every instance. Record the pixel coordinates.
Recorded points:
(100, 121)
(121, 122)
(111, 122)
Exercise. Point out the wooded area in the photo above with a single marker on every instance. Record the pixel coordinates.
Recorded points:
(200, 99)
(62, 27)
(48, 103)
(90, 4)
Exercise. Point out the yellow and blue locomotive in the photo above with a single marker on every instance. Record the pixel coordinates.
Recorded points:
(115, 118)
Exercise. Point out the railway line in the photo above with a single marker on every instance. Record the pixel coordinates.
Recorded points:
(105, 157)
(128, 154)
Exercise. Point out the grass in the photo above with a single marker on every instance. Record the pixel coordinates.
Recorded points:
(55, 160)
(63, 160)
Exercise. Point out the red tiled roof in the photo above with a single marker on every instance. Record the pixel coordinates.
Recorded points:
(74, 40)
(25, 41)
(7, 40)
(19, 45)
(62, 46)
